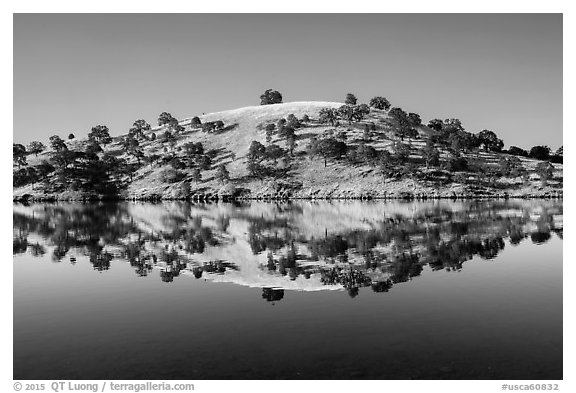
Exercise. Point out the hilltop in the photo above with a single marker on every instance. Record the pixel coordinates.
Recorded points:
(376, 161)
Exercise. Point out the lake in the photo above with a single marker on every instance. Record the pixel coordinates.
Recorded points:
(300, 290)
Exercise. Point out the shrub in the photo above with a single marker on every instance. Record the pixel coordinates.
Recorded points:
(19, 154)
(36, 147)
(292, 121)
(192, 148)
(195, 122)
(183, 191)
(291, 143)
(222, 173)
(212, 153)
(353, 112)
(257, 151)
(516, 151)
(430, 154)
(204, 162)
(208, 126)
(457, 164)
(100, 134)
(258, 170)
(367, 154)
(171, 175)
(93, 148)
(176, 163)
(328, 115)
(23, 176)
(44, 169)
(152, 158)
(327, 148)
(490, 141)
(403, 128)
(138, 128)
(511, 166)
(350, 99)
(387, 164)
(219, 125)
(415, 119)
(540, 152)
(461, 141)
(380, 103)
(436, 124)
(270, 96)
(196, 175)
(165, 118)
(168, 137)
(401, 152)
(546, 171)
(274, 152)
(558, 156)
(270, 132)
(57, 144)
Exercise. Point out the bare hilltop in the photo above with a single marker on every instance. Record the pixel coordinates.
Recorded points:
(286, 150)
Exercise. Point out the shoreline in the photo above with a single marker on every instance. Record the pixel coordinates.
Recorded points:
(225, 198)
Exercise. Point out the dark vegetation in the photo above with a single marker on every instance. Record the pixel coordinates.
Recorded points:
(270, 96)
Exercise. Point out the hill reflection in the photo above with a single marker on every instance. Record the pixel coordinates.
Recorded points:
(287, 246)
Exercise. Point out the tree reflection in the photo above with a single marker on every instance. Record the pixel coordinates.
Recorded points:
(378, 252)
(540, 237)
(272, 295)
(20, 245)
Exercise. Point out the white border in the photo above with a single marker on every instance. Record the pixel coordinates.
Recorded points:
(307, 6)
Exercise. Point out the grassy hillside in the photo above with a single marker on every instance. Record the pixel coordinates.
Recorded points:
(305, 175)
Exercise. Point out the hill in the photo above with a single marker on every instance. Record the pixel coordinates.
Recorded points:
(166, 165)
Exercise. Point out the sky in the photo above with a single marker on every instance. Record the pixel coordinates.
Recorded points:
(501, 72)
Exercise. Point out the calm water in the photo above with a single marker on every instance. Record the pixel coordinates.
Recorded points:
(383, 290)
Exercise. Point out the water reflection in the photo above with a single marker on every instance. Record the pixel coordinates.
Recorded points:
(289, 246)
